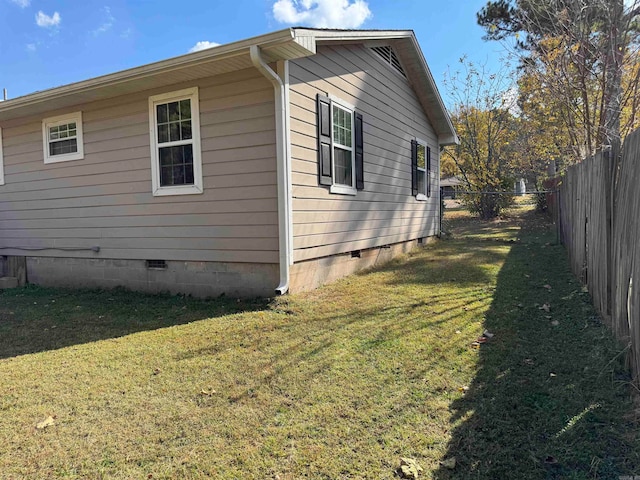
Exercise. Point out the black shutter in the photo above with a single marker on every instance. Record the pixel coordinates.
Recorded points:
(414, 167)
(359, 152)
(324, 140)
(428, 173)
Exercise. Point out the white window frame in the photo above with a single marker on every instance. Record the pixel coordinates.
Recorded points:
(339, 188)
(47, 123)
(1, 160)
(422, 196)
(197, 187)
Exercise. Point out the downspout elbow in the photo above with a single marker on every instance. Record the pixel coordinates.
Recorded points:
(282, 166)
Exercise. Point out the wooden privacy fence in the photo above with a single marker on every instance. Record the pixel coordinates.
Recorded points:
(600, 227)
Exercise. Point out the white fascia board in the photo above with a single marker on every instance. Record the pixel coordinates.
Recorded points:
(322, 35)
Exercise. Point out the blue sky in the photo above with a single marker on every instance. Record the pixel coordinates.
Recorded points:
(48, 43)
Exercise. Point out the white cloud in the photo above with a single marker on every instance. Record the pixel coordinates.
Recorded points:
(22, 3)
(46, 21)
(109, 20)
(322, 13)
(203, 45)
(31, 47)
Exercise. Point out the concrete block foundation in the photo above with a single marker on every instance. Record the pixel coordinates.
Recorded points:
(200, 279)
(206, 279)
(313, 273)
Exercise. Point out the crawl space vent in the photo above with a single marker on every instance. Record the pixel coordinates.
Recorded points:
(390, 57)
(157, 264)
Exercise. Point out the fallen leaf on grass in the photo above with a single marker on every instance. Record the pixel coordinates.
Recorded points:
(449, 463)
(528, 361)
(207, 392)
(550, 460)
(47, 422)
(546, 307)
(156, 371)
(552, 375)
(410, 468)
(555, 323)
(487, 334)
(463, 389)
(548, 287)
(475, 345)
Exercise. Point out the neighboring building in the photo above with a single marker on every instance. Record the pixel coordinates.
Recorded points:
(450, 186)
(279, 162)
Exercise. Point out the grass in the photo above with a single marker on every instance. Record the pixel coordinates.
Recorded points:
(336, 383)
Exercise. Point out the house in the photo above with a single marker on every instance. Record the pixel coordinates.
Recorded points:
(272, 164)
(450, 186)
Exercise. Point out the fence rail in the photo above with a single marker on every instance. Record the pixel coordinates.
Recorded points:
(600, 227)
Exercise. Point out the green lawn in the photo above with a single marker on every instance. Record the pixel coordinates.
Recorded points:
(336, 383)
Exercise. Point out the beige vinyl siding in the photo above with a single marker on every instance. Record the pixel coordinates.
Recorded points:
(105, 199)
(385, 212)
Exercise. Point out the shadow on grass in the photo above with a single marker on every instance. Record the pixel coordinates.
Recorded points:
(35, 319)
(550, 396)
(469, 264)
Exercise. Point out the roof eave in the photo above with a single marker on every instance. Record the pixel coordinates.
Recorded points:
(448, 135)
(284, 44)
(422, 81)
(269, 43)
(449, 140)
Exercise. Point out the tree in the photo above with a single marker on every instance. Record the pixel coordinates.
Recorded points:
(584, 54)
(482, 115)
(543, 130)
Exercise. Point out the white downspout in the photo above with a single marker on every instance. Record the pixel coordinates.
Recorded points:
(283, 166)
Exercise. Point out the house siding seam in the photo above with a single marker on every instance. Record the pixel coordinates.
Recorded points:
(385, 212)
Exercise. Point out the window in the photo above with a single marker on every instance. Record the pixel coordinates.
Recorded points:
(421, 169)
(176, 164)
(62, 138)
(1, 161)
(340, 146)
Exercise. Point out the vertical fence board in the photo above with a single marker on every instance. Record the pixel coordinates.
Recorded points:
(607, 260)
(626, 251)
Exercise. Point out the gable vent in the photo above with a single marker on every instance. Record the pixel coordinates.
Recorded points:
(390, 57)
